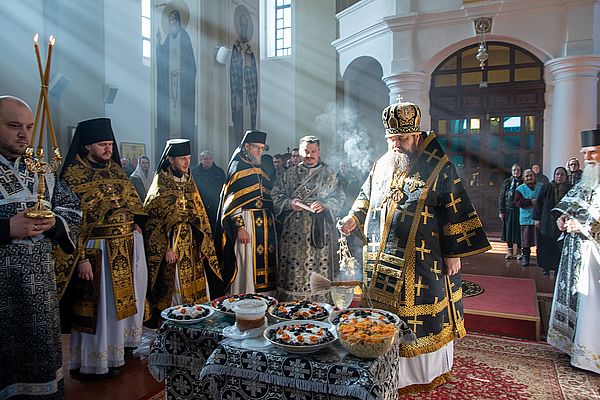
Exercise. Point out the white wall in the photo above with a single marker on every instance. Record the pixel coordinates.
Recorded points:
(297, 90)
(130, 113)
(78, 54)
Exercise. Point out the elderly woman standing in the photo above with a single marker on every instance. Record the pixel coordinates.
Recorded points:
(573, 171)
(509, 212)
(550, 248)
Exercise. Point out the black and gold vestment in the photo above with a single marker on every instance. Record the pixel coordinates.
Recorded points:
(177, 219)
(411, 222)
(110, 207)
(246, 202)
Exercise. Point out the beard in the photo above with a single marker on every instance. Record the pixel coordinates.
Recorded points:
(397, 162)
(591, 175)
(254, 159)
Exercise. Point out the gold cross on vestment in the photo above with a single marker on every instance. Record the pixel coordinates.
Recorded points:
(425, 214)
(422, 250)
(435, 270)
(453, 203)
(414, 322)
(419, 285)
(465, 237)
(431, 155)
(404, 213)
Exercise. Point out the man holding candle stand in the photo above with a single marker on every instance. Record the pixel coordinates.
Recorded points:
(29, 325)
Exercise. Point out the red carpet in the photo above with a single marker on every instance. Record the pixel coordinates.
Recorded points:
(508, 307)
(489, 368)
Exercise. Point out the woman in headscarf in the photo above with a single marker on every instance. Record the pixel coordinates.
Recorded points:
(140, 177)
(573, 171)
(549, 248)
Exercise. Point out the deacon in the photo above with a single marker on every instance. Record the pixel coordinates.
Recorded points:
(417, 222)
(29, 321)
(306, 198)
(181, 252)
(246, 232)
(576, 302)
(104, 284)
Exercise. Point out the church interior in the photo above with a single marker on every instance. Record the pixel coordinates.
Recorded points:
(500, 82)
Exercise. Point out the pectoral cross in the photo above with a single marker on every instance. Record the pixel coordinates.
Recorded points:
(182, 201)
(114, 197)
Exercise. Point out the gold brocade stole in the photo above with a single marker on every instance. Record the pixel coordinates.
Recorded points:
(192, 281)
(117, 231)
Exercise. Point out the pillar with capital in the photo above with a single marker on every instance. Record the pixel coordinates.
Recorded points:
(574, 104)
(409, 86)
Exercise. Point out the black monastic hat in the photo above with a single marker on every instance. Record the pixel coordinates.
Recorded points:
(590, 138)
(252, 136)
(89, 132)
(174, 148)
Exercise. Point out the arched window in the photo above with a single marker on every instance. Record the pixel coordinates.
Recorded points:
(488, 120)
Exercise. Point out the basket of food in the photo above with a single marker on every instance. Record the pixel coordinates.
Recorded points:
(367, 338)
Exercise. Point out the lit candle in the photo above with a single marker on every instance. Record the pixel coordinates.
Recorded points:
(51, 42)
(37, 112)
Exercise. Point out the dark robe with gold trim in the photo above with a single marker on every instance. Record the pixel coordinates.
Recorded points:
(30, 353)
(110, 206)
(411, 222)
(177, 219)
(246, 201)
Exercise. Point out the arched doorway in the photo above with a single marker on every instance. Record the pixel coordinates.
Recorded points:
(488, 120)
(365, 95)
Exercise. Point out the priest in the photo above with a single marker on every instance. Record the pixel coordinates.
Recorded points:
(181, 252)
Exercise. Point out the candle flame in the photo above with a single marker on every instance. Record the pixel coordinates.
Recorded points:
(35, 38)
(51, 40)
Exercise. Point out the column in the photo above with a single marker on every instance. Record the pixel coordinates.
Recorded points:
(410, 86)
(574, 105)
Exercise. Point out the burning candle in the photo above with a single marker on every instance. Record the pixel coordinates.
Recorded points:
(37, 112)
(51, 42)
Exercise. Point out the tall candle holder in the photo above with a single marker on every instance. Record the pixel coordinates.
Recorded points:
(34, 159)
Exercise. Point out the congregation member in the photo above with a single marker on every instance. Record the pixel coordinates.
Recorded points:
(141, 177)
(420, 223)
(181, 252)
(508, 212)
(573, 171)
(573, 323)
(278, 164)
(209, 179)
(29, 322)
(550, 246)
(245, 235)
(295, 157)
(126, 165)
(306, 199)
(104, 283)
(525, 198)
(539, 176)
